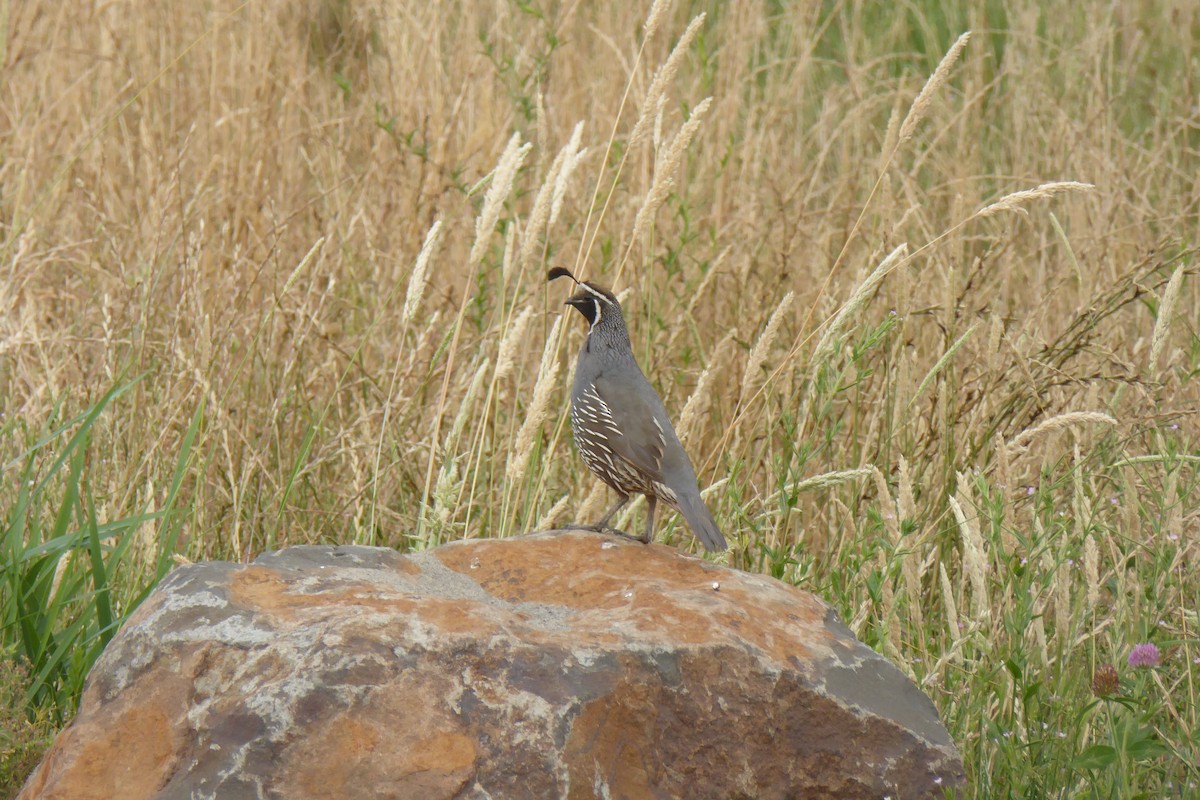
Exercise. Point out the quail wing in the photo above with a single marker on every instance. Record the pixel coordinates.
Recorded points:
(643, 438)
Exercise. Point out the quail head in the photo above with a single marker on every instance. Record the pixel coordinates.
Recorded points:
(620, 426)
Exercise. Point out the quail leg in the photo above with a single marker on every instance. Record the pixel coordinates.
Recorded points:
(612, 512)
(648, 536)
(602, 525)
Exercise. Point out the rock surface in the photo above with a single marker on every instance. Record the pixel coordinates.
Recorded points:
(562, 664)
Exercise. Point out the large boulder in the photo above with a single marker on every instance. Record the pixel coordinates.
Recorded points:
(561, 664)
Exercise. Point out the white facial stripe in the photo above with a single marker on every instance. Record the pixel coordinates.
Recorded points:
(596, 321)
(593, 292)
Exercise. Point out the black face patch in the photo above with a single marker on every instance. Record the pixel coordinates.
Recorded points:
(588, 305)
(591, 301)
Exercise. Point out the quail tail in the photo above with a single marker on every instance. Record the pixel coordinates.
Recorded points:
(701, 522)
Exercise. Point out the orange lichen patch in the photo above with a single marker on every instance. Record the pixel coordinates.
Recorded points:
(327, 771)
(571, 569)
(458, 616)
(359, 596)
(611, 737)
(265, 589)
(655, 615)
(261, 587)
(406, 566)
(784, 625)
(416, 749)
(650, 591)
(444, 752)
(128, 748)
(133, 760)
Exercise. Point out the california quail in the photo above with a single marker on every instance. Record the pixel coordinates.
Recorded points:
(621, 428)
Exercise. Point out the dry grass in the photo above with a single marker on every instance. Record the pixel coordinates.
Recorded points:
(330, 222)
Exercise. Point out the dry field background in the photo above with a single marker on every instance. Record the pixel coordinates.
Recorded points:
(273, 273)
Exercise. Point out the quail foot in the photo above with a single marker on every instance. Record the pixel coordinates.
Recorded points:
(620, 426)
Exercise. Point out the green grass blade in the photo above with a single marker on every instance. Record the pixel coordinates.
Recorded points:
(101, 601)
